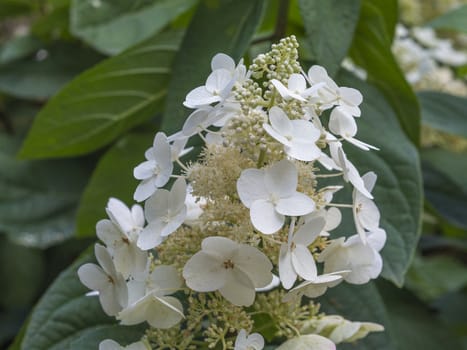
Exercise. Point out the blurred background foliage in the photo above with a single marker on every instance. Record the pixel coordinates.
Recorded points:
(85, 85)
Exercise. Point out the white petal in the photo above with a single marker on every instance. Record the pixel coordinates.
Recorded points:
(157, 206)
(164, 312)
(308, 342)
(256, 341)
(333, 218)
(200, 97)
(303, 151)
(104, 259)
(137, 214)
(251, 187)
(145, 189)
(342, 123)
(144, 170)
(196, 121)
(166, 280)
(287, 273)
(265, 218)
(238, 288)
(377, 238)
(309, 232)
(162, 153)
(281, 178)
(220, 247)
(303, 263)
(296, 83)
(279, 121)
(276, 135)
(109, 344)
(204, 273)
(177, 195)
(150, 237)
(218, 80)
(221, 60)
(304, 131)
(109, 300)
(175, 222)
(281, 89)
(255, 264)
(92, 276)
(120, 214)
(108, 233)
(296, 205)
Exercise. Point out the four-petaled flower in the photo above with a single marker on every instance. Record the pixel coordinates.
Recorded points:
(234, 269)
(165, 212)
(254, 341)
(271, 194)
(156, 170)
(298, 136)
(110, 284)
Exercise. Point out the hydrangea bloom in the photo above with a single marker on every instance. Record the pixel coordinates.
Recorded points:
(235, 270)
(271, 194)
(253, 204)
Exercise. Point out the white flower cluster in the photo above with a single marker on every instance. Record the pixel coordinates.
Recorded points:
(278, 127)
(421, 54)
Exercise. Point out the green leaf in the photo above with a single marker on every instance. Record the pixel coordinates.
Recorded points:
(217, 26)
(444, 112)
(371, 49)
(398, 192)
(38, 199)
(413, 325)
(446, 184)
(42, 76)
(22, 270)
(456, 19)
(359, 303)
(113, 26)
(65, 318)
(431, 277)
(113, 177)
(103, 102)
(11, 8)
(18, 48)
(330, 26)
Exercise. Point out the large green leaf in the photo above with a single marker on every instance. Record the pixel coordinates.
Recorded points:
(330, 26)
(371, 49)
(113, 26)
(104, 101)
(18, 47)
(456, 19)
(413, 325)
(398, 191)
(42, 76)
(359, 303)
(446, 184)
(113, 177)
(38, 199)
(431, 277)
(444, 112)
(217, 26)
(65, 318)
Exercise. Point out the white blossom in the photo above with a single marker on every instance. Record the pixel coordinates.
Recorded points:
(106, 280)
(156, 170)
(234, 269)
(363, 261)
(296, 88)
(254, 341)
(165, 211)
(295, 259)
(298, 136)
(271, 194)
(343, 124)
(149, 300)
(308, 342)
(365, 212)
(109, 344)
(350, 173)
(120, 234)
